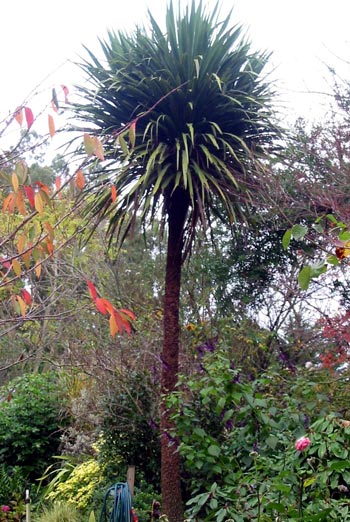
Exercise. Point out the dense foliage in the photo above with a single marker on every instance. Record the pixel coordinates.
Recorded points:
(31, 422)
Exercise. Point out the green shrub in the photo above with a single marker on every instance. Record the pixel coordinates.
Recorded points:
(30, 422)
(237, 439)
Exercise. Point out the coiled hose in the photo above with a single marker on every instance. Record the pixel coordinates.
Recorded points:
(117, 505)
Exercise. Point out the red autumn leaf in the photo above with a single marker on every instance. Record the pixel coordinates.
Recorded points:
(30, 195)
(92, 290)
(65, 92)
(58, 183)
(18, 115)
(5, 263)
(102, 305)
(52, 129)
(113, 193)
(26, 296)
(29, 117)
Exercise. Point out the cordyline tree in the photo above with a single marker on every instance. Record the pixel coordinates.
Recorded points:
(184, 116)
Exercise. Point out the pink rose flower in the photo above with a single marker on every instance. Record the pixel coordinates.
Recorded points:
(5, 509)
(302, 444)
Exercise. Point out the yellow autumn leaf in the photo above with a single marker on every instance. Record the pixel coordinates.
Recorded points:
(21, 170)
(89, 144)
(38, 203)
(15, 181)
(38, 270)
(21, 243)
(16, 266)
(26, 257)
(22, 306)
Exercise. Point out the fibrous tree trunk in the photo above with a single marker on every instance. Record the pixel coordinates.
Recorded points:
(170, 462)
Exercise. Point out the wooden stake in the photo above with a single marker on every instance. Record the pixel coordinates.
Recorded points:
(130, 478)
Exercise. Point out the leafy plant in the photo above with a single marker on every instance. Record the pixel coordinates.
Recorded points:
(30, 422)
(75, 484)
(238, 442)
(59, 512)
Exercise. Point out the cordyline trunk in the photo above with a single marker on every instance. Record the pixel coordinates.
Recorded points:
(170, 462)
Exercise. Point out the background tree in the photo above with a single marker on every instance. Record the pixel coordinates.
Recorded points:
(196, 108)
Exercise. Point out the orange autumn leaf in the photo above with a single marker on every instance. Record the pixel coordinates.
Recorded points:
(129, 313)
(122, 323)
(113, 326)
(38, 270)
(50, 231)
(49, 246)
(113, 193)
(52, 129)
(43, 187)
(80, 180)
(132, 134)
(18, 115)
(20, 203)
(9, 203)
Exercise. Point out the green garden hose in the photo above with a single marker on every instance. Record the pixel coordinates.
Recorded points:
(117, 505)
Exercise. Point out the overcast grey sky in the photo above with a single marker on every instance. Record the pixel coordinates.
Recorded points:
(38, 38)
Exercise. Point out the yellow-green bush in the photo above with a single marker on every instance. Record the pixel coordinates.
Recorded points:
(80, 486)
